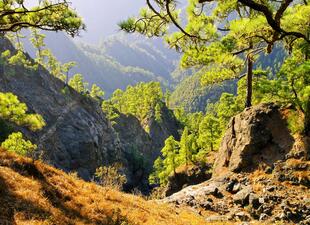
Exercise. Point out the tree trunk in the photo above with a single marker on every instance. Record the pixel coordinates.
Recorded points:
(249, 83)
(307, 119)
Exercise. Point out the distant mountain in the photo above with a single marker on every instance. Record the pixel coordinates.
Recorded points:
(116, 62)
(193, 97)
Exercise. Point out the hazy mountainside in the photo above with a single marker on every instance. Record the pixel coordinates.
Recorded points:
(193, 97)
(116, 62)
(34, 193)
(149, 54)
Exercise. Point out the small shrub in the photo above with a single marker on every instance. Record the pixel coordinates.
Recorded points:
(16, 143)
(109, 176)
(295, 122)
(158, 193)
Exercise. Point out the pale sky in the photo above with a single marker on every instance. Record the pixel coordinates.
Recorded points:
(101, 16)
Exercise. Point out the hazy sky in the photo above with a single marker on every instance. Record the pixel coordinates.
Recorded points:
(101, 16)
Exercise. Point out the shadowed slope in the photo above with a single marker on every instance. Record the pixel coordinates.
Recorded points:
(34, 193)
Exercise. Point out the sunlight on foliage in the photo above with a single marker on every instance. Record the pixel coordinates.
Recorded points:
(17, 144)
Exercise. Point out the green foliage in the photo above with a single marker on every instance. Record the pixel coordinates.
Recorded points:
(15, 143)
(209, 132)
(216, 41)
(142, 101)
(96, 92)
(295, 122)
(13, 110)
(191, 95)
(46, 58)
(202, 133)
(188, 147)
(163, 167)
(78, 84)
(110, 111)
(46, 15)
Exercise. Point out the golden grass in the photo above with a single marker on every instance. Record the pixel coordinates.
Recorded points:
(34, 193)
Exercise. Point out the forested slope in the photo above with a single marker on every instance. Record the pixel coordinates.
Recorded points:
(115, 62)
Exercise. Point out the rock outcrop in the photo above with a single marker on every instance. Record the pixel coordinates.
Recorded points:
(186, 176)
(142, 142)
(257, 136)
(138, 151)
(78, 136)
(261, 174)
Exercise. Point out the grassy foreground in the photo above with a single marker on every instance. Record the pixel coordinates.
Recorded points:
(34, 193)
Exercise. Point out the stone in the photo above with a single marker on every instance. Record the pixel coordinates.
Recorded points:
(78, 136)
(236, 188)
(243, 216)
(257, 136)
(263, 216)
(190, 175)
(268, 170)
(242, 197)
(254, 201)
(211, 190)
(271, 188)
(217, 218)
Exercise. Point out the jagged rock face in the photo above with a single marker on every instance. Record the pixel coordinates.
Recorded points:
(257, 136)
(138, 151)
(160, 131)
(78, 137)
(142, 142)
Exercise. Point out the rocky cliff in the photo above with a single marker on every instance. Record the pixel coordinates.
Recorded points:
(262, 173)
(142, 142)
(78, 137)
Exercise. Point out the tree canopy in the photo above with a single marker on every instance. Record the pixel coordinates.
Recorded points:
(218, 36)
(45, 15)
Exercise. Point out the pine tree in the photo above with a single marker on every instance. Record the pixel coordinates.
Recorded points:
(78, 84)
(217, 44)
(45, 15)
(209, 132)
(170, 153)
(186, 151)
(96, 92)
(16, 143)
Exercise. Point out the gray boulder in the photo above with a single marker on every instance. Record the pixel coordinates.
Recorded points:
(257, 136)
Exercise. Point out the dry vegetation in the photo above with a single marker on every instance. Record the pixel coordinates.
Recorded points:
(34, 193)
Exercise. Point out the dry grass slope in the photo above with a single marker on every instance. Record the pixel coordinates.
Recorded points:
(34, 193)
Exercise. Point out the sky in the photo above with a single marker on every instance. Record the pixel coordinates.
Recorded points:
(102, 16)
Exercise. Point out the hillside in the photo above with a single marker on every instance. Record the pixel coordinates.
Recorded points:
(78, 136)
(116, 62)
(34, 193)
(193, 97)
